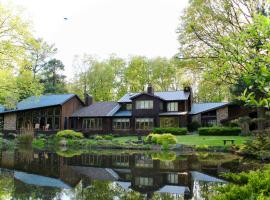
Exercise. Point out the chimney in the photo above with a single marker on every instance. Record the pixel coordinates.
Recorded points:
(88, 100)
(150, 89)
(187, 89)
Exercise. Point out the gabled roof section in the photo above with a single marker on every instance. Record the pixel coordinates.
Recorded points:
(98, 109)
(144, 93)
(204, 107)
(34, 102)
(166, 96)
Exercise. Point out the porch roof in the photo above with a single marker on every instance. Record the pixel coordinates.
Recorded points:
(124, 113)
(172, 113)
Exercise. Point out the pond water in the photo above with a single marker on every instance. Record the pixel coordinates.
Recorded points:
(105, 175)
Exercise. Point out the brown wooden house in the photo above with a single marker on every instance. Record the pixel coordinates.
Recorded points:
(48, 113)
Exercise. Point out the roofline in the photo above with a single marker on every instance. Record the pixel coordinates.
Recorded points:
(145, 93)
(226, 104)
(27, 109)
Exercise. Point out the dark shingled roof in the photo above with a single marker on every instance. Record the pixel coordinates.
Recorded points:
(99, 109)
(167, 96)
(203, 107)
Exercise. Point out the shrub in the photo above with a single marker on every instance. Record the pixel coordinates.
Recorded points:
(98, 137)
(39, 143)
(219, 131)
(174, 131)
(25, 139)
(69, 134)
(165, 139)
(108, 137)
(245, 185)
(193, 126)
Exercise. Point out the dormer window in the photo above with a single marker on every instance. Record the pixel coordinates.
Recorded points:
(128, 106)
(172, 107)
(144, 104)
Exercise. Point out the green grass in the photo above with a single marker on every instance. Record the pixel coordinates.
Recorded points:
(126, 138)
(209, 140)
(195, 139)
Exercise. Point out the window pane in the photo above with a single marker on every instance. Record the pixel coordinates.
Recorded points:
(57, 123)
(57, 111)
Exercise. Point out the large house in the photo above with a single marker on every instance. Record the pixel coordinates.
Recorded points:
(134, 113)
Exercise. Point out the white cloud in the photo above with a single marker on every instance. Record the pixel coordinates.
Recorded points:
(102, 27)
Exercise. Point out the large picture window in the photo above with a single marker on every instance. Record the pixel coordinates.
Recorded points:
(92, 123)
(43, 119)
(121, 123)
(143, 181)
(166, 122)
(172, 106)
(145, 104)
(144, 123)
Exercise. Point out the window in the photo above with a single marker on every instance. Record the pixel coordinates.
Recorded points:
(172, 178)
(161, 106)
(121, 123)
(166, 122)
(172, 106)
(129, 106)
(144, 123)
(146, 104)
(93, 123)
(143, 181)
(56, 122)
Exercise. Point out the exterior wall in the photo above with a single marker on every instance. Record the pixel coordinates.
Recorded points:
(145, 113)
(222, 114)
(10, 121)
(196, 118)
(68, 109)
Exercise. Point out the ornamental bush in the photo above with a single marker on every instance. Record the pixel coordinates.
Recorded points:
(69, 134)
(174, 131)
(246, 185)
(166, 138)
(219, 131)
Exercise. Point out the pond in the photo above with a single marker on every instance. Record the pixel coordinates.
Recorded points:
(34, 174)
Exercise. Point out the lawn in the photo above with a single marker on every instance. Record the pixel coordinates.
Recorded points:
(209, 140)
(196, 139)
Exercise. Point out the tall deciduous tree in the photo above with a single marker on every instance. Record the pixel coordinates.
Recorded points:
(228, 39)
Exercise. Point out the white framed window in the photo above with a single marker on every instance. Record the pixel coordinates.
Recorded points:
(129, 106)
(172, 178)
(144, 123)
(172, 106)
(143, 181)
(92, 123)
(121, 123)
(144, 104)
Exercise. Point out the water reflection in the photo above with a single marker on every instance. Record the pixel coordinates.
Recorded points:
(33, 174)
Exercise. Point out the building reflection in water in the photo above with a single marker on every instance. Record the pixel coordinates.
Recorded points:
(180, 176)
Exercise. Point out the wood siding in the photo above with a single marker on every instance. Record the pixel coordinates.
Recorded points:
(68, 109)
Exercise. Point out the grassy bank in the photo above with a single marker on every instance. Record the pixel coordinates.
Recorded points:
(210, 140)
(131, 142)
(196, 139)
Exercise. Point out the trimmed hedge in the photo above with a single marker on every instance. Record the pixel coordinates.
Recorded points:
(219, 131)
(174, 131)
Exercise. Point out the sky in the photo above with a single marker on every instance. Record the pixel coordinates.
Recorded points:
(103, 27)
